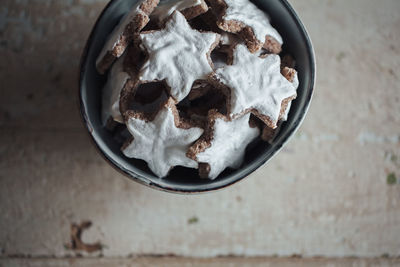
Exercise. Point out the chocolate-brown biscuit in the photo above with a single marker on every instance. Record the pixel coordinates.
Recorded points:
(212, 99)
(169, 59)
(246, 30)
(199, 88)
(122, 72)
(152, 25)
(204, 170)
(168, 102)
(268, 134)
(194, 11)
(227, 45)
(243, 97)
(206, 22)
(149, 92)
(288, 61)
(143, 97)
(289, 73)
(222, 54)
(161, 140)
(223, 144)
(205, 141)
(124, 33)
(272, 45)
(134, 59)
(200, 101)
(189, 8)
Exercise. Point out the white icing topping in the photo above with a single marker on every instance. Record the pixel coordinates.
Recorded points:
(246, 12)
(160, 143)
(296, 80)
(167, 7)
(178, 55)
(228, 144)
(285, 115)
(255, 83)
(116, 34)
(116, 81)
(296, 85)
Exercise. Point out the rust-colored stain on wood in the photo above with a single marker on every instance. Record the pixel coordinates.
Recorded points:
(76, 242)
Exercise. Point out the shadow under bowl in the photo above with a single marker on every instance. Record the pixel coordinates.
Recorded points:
(183, 180)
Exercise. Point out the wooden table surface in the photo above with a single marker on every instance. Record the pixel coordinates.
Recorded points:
(334, 190)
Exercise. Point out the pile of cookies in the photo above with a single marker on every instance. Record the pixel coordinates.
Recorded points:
(194, 82)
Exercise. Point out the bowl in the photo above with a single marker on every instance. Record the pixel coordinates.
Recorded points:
(184, 180)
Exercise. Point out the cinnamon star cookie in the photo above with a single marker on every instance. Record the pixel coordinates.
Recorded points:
(254, 84)
(123, 33)
(161, 141)
(177, 54)
(223, 145)
(251, 23)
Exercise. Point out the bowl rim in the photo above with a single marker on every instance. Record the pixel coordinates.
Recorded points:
(250, 169)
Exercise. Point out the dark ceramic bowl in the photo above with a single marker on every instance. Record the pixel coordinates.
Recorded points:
(183, 180)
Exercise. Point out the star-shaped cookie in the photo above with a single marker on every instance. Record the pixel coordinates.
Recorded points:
(130, 24)
(163, 141)
(252, 24)
(224, 144)
(254, 84)
(177, 54)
